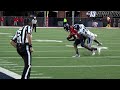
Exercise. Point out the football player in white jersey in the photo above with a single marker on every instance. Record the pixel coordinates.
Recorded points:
(87, 34)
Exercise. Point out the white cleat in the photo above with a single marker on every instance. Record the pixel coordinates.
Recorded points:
(77, 55)
(93, 52)
(99, 50)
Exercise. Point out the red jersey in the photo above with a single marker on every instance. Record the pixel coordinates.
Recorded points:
(1, 19)
(74, 32)
(15, 19)
(21, 19)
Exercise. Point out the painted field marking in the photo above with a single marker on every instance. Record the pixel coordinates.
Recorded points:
(8, 64)
(10, 36)
(41, 77)
(75, 66)
(59, 51)
(92, 46)
(17, 76)
(5, 62)
(20, 71)
(15, 69)
(36, 74)
(33, 71)
(5, 33)
(100, 47)
(73, 46)
(47, 40)
(10, 73)
(72, 57)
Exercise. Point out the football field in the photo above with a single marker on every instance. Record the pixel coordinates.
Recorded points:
(52, 58)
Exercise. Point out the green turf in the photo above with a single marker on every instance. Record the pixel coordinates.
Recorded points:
(54, 60)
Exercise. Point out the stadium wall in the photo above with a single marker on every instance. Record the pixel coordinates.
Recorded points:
(58, 22)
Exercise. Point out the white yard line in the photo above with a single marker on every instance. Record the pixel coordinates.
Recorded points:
(79, 46)
(1, 60)
(75, 66)
(36, 74)
(8, 64)
(44, 77)
(5, 62)
(18, 71)
(62, 51)
(10, 73)
(47, 40)
(33, 71)
(64, 42)
(15, 69)
(71, 57)
(56, 46)
(4, 39)
(4, 33)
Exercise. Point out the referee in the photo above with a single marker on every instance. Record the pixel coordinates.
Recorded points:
(34, 22)
(22, 41)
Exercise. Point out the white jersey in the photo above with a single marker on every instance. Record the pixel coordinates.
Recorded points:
(84, 31)
(34, 21)
(91, 35)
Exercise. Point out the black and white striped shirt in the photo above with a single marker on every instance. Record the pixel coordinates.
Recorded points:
(20, 36)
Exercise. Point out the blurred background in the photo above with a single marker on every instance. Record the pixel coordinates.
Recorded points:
(56, 18)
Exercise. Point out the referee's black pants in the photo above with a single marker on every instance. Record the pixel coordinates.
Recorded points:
(26, 55)
(34, 27)
(64, 23)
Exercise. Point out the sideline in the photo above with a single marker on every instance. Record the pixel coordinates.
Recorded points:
(10, 73)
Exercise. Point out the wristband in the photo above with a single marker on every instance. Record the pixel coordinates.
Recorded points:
(30, 45)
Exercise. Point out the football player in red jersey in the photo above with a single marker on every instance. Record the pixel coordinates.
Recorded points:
(71, 36)
(79, 39)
